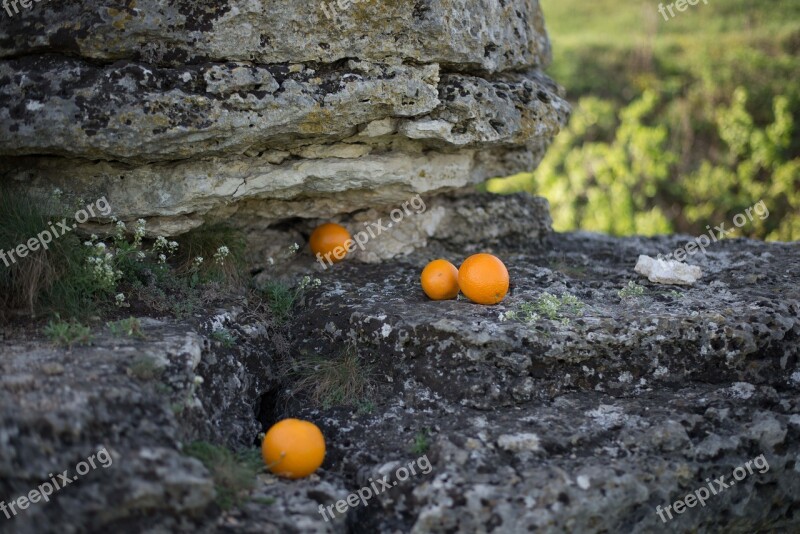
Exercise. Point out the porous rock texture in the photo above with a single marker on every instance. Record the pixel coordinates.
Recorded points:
(258, 112)
(583, 418)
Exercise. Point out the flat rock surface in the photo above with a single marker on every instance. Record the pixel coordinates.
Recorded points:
(585, 419)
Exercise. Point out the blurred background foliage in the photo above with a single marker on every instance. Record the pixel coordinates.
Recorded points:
(676, 124)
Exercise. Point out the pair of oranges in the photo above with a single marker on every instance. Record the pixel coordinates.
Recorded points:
(482, 278)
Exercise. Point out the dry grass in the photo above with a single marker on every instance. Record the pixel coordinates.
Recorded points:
(329, 382)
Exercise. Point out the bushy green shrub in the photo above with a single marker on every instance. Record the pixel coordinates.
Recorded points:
(677, 124)
(617, 172)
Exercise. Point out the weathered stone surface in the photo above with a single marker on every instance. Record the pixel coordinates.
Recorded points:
(580, 426)
(159, 114)
(399, 230)
(183, 114)
(492, 35)
(140, 399)
(728, 328)
(604, 463)
(258, 192)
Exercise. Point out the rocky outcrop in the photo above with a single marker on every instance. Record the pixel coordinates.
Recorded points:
(268, 110)
(581, 418)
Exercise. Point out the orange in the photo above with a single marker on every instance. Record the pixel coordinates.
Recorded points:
(331, 241)
(483, 279)
(440, 280)
(293, 448)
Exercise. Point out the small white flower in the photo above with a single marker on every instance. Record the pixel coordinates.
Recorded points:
(198, 380)
(57, 192)
(120, 299)
(221, 254)
(162, 258)
(140, 255)
(197, 262)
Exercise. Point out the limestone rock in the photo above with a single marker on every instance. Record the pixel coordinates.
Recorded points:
(551, 425)
(261, 112)
(493, 35)
(667, 271)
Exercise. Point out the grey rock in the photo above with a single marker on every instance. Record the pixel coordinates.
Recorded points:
(581, 426)
(184, 115)
(492, 35)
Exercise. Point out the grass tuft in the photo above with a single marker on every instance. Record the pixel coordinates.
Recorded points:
(631, 291)
(342, 381)
(225, 337)
(45, 280)
(67, 333)
(130, 327)
(146, 368)
(422, 442)
(234, 474)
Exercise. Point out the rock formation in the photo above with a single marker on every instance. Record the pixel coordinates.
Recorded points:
(257, 112)
(580, 422)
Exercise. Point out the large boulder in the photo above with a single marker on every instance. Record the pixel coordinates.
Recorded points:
(262, 112)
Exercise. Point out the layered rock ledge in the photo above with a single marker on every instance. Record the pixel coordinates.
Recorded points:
(185, 114)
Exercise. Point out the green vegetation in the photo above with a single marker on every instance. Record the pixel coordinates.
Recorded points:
(212, 254)
(548, 306)
(282, 298)
(366, 407)
(67, 333)
(146, 368)
(329, 382)
(225, 337)
(631, 291)
(234, 473)
(676, 124)
(90, 277)
(130, 327)
(422, 442)
(45, 280)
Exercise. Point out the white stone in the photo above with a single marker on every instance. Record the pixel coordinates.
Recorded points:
(662, 271)
(518, 442)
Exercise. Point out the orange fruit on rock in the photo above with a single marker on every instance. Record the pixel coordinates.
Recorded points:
(440, 280)
(483, 278)
(293, 448)
(330, 241)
